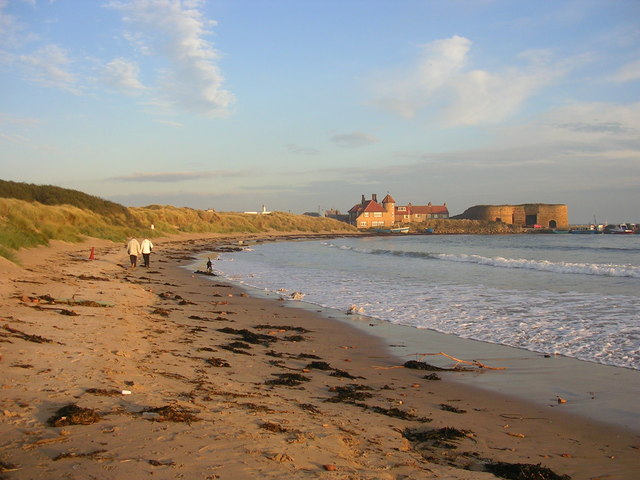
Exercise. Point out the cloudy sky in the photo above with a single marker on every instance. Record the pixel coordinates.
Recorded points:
(307, 104)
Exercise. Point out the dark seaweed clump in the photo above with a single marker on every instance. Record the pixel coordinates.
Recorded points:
(451, 408)
(170, 413)
(285, 328)
(349, 393)
(105, 392)
(523, 471)
(413, 364)
(446, 437)
(72, 414)
(342, 374)
(319, 366)
(395, 412)
(217, 362)
(250, 337)
(288, 379)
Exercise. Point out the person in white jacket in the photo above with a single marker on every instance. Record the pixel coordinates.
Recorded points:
(133, 249)
(146, 248)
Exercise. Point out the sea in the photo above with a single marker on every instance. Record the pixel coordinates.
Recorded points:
(563, 296)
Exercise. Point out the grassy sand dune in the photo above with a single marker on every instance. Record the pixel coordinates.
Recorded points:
(26, 224)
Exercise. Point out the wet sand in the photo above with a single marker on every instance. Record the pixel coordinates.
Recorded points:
(181, 375)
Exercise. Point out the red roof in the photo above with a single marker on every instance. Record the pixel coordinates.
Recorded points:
(368, 206)
(388, 199)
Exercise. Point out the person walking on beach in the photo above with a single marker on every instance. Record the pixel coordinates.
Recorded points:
(146, 248)
(133, 249)
(209, 265)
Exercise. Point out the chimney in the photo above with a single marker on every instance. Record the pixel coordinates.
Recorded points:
(362, 199)
(374, 197)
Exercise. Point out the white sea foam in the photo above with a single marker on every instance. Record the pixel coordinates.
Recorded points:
(578, 309)
(540, 265)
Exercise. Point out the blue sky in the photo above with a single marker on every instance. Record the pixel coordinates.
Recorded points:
(304, 105)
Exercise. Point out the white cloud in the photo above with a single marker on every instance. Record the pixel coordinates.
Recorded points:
(8, 25)
(123, 74)
(353, 140)
(49, 66)
(301, 150)
(7, 119)
(627, 73)
(440, 83)
(177, 32)
(482, 97)
(593, 126)
(406, 92)
(174, 177)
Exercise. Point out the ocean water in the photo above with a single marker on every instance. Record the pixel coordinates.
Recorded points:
(574, 295)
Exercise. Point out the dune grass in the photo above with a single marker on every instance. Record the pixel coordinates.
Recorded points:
(459, 226)
(25, 224)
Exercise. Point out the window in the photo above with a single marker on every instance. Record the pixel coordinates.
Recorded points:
(406, 217)
(366, 214)
(402, 209)
(377, 223)
(377, 214)
(364, 224)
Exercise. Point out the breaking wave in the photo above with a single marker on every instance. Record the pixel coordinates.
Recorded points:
(607, 270)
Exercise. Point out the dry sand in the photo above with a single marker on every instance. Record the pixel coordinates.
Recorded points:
(179, 377)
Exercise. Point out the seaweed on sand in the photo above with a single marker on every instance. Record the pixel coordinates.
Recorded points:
(285, 328)
(25, 336)
(523, 471)
(343, 374)
(72, 414)
(395, 412)
(170, 413)
(308, 407)
(451, 408)
(237, 347)
(274, 427)
(95, 454)
(319, 366)
(8, 467)
(415, 365)
(295, 338)
(349, 393)
(217, 362)
(288, 379)
(112, 392)
(250, 337)
(446, 437)
(306, 356)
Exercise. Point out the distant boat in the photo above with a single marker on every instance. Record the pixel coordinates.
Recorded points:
(623, 228)
(590, 230)
(393, 230)
(428, 231)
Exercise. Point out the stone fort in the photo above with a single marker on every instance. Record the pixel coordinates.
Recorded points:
(528, 214)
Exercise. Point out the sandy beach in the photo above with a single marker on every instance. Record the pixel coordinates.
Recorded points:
(110, 372)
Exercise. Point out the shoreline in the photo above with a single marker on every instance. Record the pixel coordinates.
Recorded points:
(595, 392)
(243, 426)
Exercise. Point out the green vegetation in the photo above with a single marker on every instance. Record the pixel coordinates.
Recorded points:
(452, 226)
(52, 195)
(32, 215)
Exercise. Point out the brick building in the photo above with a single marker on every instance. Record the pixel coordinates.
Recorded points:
(371, 214)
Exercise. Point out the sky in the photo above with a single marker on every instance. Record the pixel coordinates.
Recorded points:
(305, 105)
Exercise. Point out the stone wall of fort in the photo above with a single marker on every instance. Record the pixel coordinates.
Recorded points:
(529, 214)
